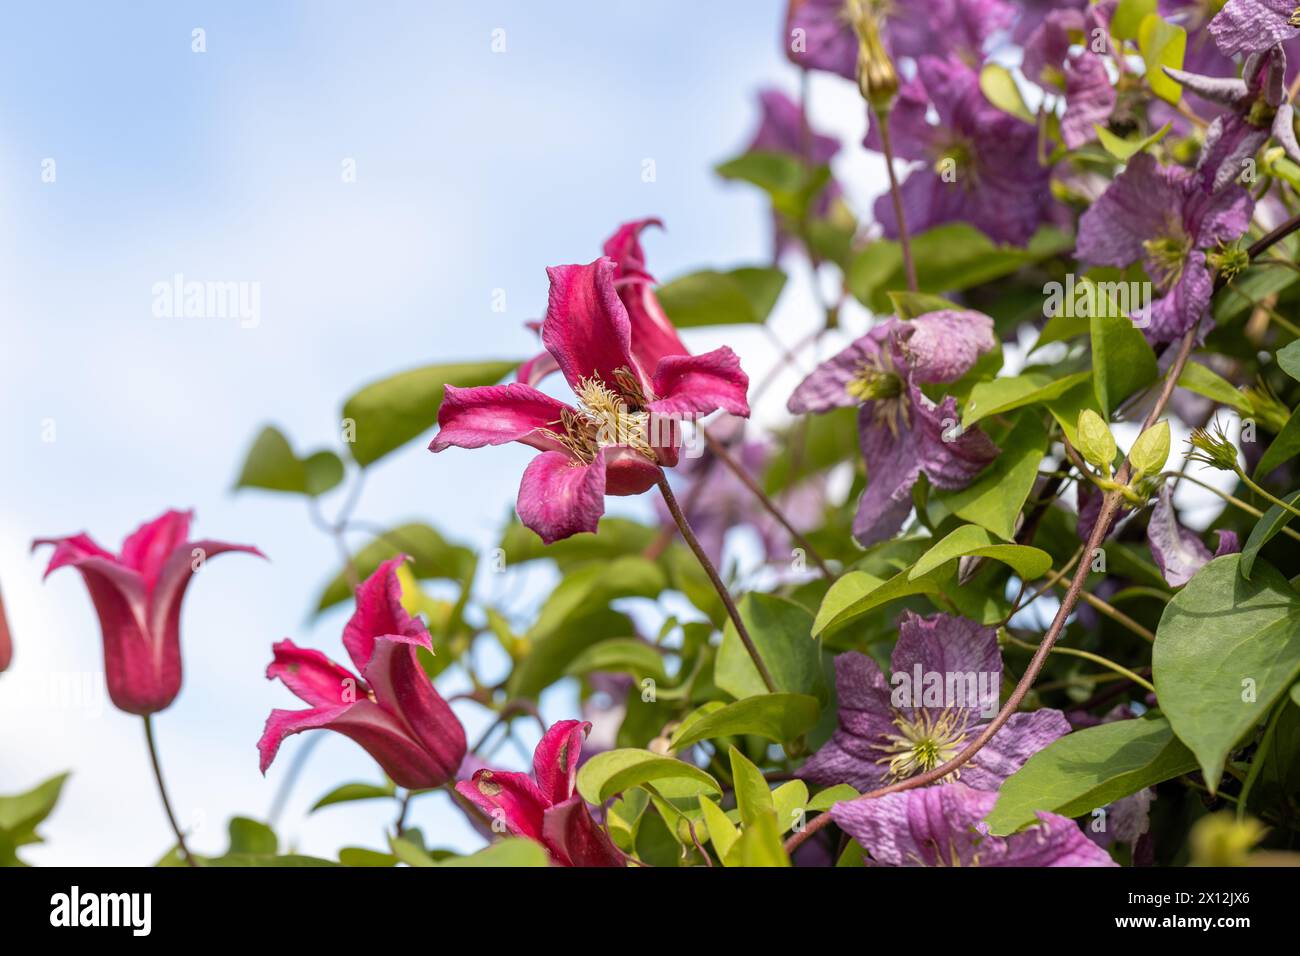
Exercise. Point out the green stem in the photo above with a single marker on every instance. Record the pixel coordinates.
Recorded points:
(1230, 499)
(162, 792)
(1089, 656)
(1264, 494)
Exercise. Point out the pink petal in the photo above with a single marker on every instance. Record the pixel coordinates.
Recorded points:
(587, 328)
(653, 333)
(575, 839)
(149, 546)
(496, 414)
(700, 384)
(71, 549)
(380, 613)
(6, 639)
(313, 676)
(629, 472)
(555, 760)
(511, 798)
(535, 370)
(559, 496)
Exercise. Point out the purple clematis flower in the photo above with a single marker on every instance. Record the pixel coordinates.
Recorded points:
(947, 674)
(1252, 26)
(943, 826)
(632, 397)
(137, 595)
(981, 165)
(1162, 216)
(784, 129)
(902, 433)
(1179, 552)
(1258, 109)
(820, 34)
(394, 712)
(1055, 61)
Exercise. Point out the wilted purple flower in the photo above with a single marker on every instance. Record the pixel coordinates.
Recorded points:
(1161, 216)
(1259, 109)
(1251, 26)
(943, 826)
(1179, 552)
(1054, 63)
(819, 34)
(981, 165)
(947, 674)
(784, 129)
(1031, 13)
(901, 432)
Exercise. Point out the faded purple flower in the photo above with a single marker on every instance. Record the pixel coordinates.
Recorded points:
(1058, 58)
(947, 674)
(980, 165)
(901, 432)
(1161, 216)
(1258, 109)
(1251, 26)
(942, 826)
(784, 129)
(1179, 552)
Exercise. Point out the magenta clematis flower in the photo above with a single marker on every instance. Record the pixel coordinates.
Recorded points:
(6, 639)
(819, 34)
(1178, 552)
(1259, 108)
(392, 710)
(947, 675)
(1252, 26)
(633, 391)
(784, 129)
(1161, 216)
(943, 826)
(545, 807)
(1059, 59)
(137, 595)
(981, 165)
(902, 433)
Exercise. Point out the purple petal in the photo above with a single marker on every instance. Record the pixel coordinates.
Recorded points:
(942, 346)
(865, 717)
(1178, 552)
(826, 387)
(818, 36)
(1135, 207)
(1022, 736)
(943, 644)
(1248, 26)
(1089, 98)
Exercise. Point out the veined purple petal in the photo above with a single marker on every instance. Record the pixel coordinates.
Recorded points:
(1089, 98)
(1248, 26)
(827, 386)
(1178, 552)
(943, 346)
(818, 36)
(853, 755)
(1136, 207)
(1022, 736)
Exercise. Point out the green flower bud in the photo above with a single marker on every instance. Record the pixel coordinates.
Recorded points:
(1096, 443)
(1150, 452)
(1212, 448)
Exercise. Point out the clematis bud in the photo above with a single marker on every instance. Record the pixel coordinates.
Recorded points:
(1096, 443)
(877, 78)
(1151, 450)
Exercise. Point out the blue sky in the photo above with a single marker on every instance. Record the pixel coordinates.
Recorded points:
(474, 170)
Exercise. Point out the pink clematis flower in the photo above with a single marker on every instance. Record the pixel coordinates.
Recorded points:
(545, 807)
(6, 641)
(137, 595)
(634, 382)
(394, 713)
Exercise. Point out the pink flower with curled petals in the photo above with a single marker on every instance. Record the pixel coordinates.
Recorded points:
(392, 710)
(545, 807)
(137, 595)
(633, 387)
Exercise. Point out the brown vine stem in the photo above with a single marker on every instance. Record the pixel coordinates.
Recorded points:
(904, 240)
(162, 792)
(1110, 506)
(732, 611)
(771, 506)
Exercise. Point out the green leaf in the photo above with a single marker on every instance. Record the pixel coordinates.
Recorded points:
(272, 466)
(511, 851)
(1285, 446)
(621, 655)
(432, 556)
(972, 540)
(777, 717)
(1201, 380)
(781, 630)
(721, 298)
(1288, 359)
(23, 812)
(251, 836)
(1162, 44)
(909, 305)
(858, 593)
(350, 792)
(1122, 361)
(385, 415)
(759, 845)
(361, 856)
(722, 832)
(770, 171)
(994, 499)
(1273, 520)
(790, 800)
(1006, 394)
(1128, 18)
(999, 87)
(1126, 149)
(614, 771)
(753, 796)
(614, 538)
(1226, 649)
(827, 798)
(1089, 769)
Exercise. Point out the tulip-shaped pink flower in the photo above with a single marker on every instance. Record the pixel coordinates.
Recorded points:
(545, 807)
(137, 595)
(393, 711)
(634, 382)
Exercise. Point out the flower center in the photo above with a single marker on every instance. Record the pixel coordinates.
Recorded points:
(604, 419)
(872, 383)
(924, 741)
(1165, 257)
(1294, 19)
